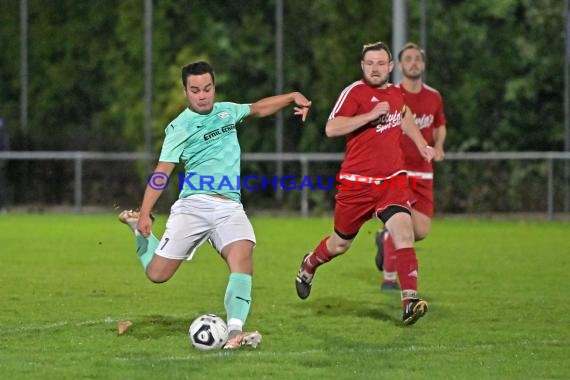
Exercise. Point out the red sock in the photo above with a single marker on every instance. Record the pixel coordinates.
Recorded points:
(320, 255)
(390, 257)
(407, 267)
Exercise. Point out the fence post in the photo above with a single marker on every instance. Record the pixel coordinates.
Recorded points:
(550, 191)
(305, 190)
(77, 183)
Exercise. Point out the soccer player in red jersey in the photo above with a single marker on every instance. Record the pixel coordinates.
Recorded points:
(371, 114)
(426, 105)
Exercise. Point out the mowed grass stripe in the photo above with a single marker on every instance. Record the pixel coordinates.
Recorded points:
(497, 304)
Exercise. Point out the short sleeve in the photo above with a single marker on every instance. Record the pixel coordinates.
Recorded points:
(174, 143)
(238, 111)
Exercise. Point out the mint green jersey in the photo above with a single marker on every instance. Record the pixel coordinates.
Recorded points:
(209, 147)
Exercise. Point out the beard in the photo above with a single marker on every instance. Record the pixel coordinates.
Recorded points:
(377, 83)
(412, 76)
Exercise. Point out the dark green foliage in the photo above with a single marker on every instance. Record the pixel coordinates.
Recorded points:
(498, 64)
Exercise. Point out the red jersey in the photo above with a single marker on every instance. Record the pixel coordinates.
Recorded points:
(427, 109)
(372, 150)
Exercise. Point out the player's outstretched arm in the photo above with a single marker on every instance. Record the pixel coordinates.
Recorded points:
(268, 106)
(151, 195)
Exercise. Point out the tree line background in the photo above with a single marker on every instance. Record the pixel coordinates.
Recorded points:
(498, 64)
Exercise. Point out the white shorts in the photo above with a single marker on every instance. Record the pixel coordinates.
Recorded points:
(198, 218)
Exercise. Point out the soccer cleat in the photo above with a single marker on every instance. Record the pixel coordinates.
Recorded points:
(380, 250)
(415, 309)
(131, 218)
(251, 339)
(304, 280)
(389, 286)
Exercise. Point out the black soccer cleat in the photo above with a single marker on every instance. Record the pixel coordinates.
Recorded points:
(380, 250)
(388, 286)
(415, 309)
(303, 281)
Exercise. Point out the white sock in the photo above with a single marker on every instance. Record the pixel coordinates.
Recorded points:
(390, 276)
(235, 325)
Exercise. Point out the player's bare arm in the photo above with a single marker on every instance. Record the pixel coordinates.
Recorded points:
(410, 128)
(270, 105)
(151, 195)
(438, 139)
(343, 125)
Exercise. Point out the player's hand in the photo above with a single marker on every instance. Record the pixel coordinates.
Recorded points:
(428, 153)
(379, 110)
(439, 154)
(303, 105)
(303, 111)
(144, 226)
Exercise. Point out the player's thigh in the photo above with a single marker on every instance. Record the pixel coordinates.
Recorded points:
(239, 257)
(422, 224)
(231, 225)
(353, 208)
(184, 233)
(160, 269)
(422, 190)
(401, 229)
(391, 201)
(338, 244)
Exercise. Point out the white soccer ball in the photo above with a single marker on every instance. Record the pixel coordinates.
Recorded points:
(208, 332)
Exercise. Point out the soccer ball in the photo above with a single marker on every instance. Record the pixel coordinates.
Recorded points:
(208, 332)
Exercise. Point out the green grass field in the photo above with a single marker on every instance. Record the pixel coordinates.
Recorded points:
(498, 292)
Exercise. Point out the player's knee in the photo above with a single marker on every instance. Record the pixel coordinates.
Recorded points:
(421, 234)
(403, 238)
(240, 263)
(239, 256)
(340, 247)
(158, 278)
(421, 231)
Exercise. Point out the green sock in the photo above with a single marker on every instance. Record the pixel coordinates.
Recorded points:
(237, 300)
(145, 248)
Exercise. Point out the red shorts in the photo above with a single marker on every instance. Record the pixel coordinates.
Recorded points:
(357, 204)
(422, 195)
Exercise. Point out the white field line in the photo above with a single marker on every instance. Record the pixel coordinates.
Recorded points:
(248, 352)
(55, 325)
(262, 353)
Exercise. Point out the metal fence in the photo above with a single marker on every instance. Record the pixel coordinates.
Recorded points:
(484, 178)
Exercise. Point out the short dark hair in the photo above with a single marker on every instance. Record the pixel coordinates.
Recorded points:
(197, 68)
(411, 45)
(379, 46)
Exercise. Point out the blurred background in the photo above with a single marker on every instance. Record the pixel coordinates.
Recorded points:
(87, 88)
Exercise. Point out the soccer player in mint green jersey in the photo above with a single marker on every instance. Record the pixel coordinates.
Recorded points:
(204, 137)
